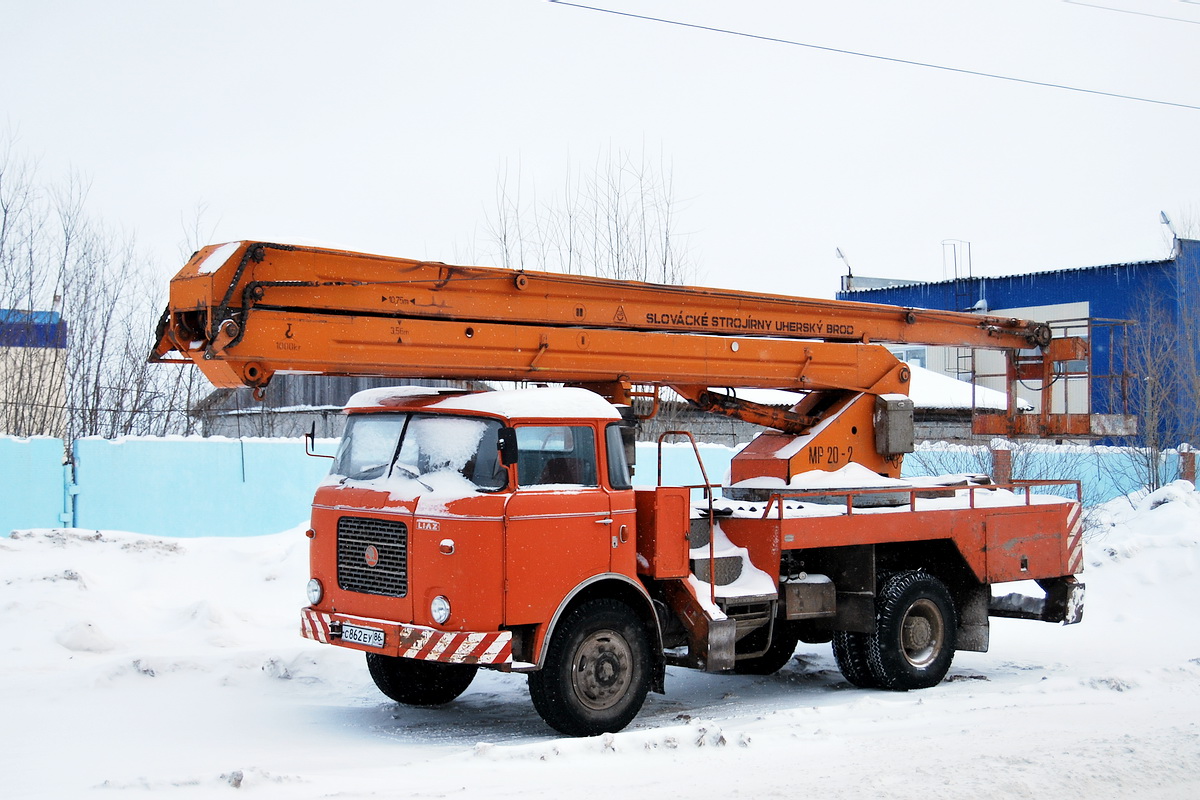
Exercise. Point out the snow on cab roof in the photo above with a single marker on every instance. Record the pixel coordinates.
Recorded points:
(541, 403)
(389, 396)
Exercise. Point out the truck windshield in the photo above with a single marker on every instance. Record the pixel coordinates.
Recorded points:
(438, 450)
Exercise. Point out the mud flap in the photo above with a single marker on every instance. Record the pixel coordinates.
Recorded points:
(711, 635)
(974, 630)
(1064, 600)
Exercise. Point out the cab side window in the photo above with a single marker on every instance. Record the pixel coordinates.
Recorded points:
(619, 474)
(556, 455)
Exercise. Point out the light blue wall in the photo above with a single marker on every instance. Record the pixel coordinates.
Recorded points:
(679, 464)
(32, 484)
(209, 487)
(229, 487)
(195, 487)
(1104, 473)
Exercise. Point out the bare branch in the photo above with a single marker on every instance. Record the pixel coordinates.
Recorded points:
(615, 222)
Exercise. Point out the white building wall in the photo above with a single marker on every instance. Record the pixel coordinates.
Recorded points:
(33, 391)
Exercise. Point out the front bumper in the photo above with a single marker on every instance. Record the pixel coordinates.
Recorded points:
(492, 648)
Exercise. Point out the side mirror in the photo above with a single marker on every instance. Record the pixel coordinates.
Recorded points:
(507, 442)
(310, 439)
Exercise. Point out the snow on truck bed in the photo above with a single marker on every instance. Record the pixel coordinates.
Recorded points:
(144, 667)
(938, 493)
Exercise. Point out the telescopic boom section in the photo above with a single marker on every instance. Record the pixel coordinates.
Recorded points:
(245, 310)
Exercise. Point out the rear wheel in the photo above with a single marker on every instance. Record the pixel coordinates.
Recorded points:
(850, 652)
(597, 670)
(419, 683)
(915, 629)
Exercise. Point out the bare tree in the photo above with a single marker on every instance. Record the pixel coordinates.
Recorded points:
(32, 382)
(1162, 353)
(184, 385)
(617, 221)
(95, 381)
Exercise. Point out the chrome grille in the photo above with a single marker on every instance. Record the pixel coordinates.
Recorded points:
(355, 536)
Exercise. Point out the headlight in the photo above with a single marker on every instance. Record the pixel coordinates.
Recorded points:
(439, 609)
(315, 592)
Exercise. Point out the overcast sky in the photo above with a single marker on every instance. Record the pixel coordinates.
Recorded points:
(383, 126)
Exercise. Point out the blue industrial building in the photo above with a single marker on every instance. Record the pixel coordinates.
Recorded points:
(32, 329)
(1160, 297)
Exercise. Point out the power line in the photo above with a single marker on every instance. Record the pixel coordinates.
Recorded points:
(889, 59)
(1136, 13)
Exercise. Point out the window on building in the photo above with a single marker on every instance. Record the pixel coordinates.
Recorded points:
(916, 356)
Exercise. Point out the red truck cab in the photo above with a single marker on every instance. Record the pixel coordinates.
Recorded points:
(456, 528)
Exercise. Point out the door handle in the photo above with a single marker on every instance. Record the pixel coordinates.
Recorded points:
(607, 521)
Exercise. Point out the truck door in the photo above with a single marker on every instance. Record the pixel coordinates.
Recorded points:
(623, 507)
(559, 524)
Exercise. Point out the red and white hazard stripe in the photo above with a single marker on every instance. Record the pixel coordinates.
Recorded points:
(422, 643)
(456, 648)
(315, 626)
(1075, 540)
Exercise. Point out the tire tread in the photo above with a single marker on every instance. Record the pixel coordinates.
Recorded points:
(550, 687)
(887, 664)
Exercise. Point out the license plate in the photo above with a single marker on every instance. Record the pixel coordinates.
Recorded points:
(371, 637)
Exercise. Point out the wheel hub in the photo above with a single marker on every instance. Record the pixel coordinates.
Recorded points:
(602, 672)
(922, 633)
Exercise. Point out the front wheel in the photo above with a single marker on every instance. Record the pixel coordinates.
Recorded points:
(597, 670)
(915, 629)
(419, 683)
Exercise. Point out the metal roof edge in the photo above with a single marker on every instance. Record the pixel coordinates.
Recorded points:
(1178, 252)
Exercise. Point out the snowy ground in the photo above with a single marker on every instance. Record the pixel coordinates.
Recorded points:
(138, 667)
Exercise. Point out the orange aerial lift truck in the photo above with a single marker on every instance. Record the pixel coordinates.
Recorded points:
(458, 530)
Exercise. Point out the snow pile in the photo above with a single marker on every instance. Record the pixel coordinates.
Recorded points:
(1159, 533)
(927, 389)
(930, 389)
(145, 666)
(851, 476)
(751, 580)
